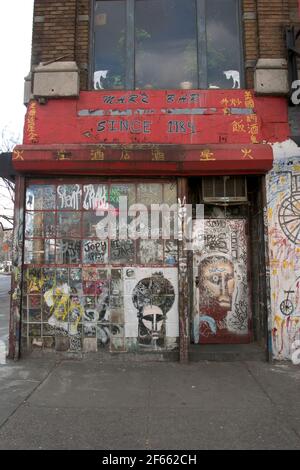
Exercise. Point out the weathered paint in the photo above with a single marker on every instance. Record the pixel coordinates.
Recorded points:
(168, 117)
(283, 221)
(221, 298)
(177, 160)
(180, 133)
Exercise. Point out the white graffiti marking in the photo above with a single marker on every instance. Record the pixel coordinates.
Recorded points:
(235, 75)
(69, 201)
(296, 353)
(94, 199)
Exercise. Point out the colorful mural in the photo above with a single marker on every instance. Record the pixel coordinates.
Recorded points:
(283, 220)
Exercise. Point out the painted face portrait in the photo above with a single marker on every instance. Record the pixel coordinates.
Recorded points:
(153, 297)
(216, 283)
(152, 322)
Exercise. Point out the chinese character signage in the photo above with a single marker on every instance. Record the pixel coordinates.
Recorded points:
(182, 117)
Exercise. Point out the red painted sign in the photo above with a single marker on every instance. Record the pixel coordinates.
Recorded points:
(197, 117)
(145, 159)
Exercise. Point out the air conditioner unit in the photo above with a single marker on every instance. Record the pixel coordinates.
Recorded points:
(224, 190)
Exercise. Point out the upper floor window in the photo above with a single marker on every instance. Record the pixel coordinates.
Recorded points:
(167, 44)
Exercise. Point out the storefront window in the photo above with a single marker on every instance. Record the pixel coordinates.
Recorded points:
(222, 32)
(77, 285)
(167, 44)
(109, 30)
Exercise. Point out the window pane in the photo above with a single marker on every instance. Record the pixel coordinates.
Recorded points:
(150, 252)
(69, 196)
(170, 193)
(122, 252)
(122, 190)
(39, 251)
(93, 225)
(223, 44)
(109, 27)
(40, 224)
(95, 252)
(68, 252)
(95, 197)
(40, 197)
(68, 224)
(165, 42)
(149, 193)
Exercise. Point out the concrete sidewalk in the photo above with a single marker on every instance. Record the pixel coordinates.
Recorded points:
(93, 404)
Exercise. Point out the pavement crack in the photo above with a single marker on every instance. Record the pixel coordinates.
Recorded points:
(276, 406)
(39, 383)
(259, 384)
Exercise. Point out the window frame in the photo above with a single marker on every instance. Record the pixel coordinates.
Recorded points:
(82, 237)
(201, 45)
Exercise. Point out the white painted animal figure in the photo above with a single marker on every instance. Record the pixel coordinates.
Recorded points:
(98, 76)
(235, 75)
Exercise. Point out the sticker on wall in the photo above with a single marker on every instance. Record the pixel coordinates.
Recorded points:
(99, 76)
(233, 75)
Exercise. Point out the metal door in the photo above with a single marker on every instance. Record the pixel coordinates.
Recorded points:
(221, 312)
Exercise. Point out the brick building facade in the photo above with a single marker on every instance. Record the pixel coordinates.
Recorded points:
(64, 30)
(219, 139)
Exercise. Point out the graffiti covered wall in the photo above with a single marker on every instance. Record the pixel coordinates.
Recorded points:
(85, 293)
(283, 222)
(122, 309)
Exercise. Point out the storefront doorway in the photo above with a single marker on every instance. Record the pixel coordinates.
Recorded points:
(224, 269)
(221, 307)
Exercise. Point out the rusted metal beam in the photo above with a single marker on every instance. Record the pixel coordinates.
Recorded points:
(184, 336)
(17, 276)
